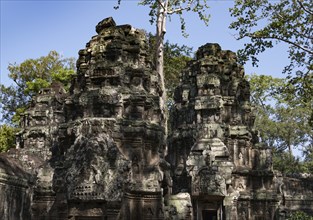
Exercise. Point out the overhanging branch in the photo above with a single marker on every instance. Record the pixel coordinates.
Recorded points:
(280, 39)
(160, 3)
(304, 8)
(177, 10)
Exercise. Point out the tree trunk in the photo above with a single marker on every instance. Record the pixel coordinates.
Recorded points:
(160, 32)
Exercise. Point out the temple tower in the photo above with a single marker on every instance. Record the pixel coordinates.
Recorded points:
(213, 149)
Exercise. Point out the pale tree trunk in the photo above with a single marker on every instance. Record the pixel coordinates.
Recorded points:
(160, 32)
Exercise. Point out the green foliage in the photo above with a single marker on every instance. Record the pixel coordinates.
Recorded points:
(176, 58)
(29, 77)
(7, 137)
(286, 163)
(178, 7)
(175, 7)
(265, 23)
(282, 118)
(299, 215)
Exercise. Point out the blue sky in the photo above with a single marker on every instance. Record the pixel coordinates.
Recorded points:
(30, 29)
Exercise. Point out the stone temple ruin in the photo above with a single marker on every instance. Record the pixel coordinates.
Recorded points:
(99, 152)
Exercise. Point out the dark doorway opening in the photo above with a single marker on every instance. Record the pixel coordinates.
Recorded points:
(209, 215)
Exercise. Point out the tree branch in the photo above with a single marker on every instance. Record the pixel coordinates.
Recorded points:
(160, 3)
(304, 8)
(280, 39)
(178, 10)
(304, 35)
(181, 9)
(174, 2)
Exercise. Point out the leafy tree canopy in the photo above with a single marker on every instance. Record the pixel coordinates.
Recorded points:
(283, 122)
(175, 60)
(265, 23)
(299, 215)
(29, 77)
(7, 137)
(171, 7)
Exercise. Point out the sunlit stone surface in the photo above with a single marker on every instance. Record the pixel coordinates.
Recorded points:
(99, 152)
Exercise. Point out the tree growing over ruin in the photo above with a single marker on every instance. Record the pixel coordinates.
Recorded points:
(176, 58)
(34, 74)
(160, 11)
(265, 23)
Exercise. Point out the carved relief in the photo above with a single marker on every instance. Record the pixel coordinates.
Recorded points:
(103, 144)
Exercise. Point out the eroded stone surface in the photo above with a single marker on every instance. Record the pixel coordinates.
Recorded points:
(213, 150)
(98, 151)
(15, 193)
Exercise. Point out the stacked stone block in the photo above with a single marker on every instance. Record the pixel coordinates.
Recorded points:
(213, 150)
(98, 151)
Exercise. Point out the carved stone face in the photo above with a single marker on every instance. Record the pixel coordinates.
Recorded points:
(185, 95)
(182, 204)
(41, 142)
(37, 142)
(233, 88)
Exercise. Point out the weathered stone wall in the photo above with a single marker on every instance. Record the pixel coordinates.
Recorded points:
(97, 151)
(213, 150)
(15, 192)
(116, 124)
(296, 194)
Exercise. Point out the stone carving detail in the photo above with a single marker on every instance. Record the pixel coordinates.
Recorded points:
(211, 183)
(97, 171)
(179, 207)
(114, 104)
(102, 140)
(218, 148)
(98, 150)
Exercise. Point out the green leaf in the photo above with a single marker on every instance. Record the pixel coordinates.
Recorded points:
(29, 77)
